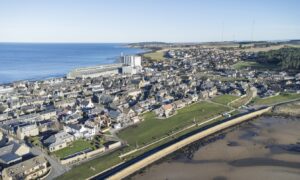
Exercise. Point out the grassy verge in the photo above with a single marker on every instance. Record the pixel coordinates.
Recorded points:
(152, 128)
(253, 65)
(157, 55)
(242, 101)
(276, 99)
(224, 99)
(76, 146)
(92, 167)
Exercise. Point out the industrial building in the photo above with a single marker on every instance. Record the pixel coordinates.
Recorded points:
(96, 71)
(129, 65)
(133, 61)
(132, 64)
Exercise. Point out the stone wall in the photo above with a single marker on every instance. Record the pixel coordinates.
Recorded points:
(81, 157)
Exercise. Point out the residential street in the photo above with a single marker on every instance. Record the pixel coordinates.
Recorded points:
(56, 168)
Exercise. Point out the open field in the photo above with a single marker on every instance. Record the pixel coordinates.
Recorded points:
(76, 146)
(92, 167)
(258, 49)
(157, 55)
(224, 99)
(276, 99)
(245, 64)
(274, 47)
(152, 128)
(253, 65)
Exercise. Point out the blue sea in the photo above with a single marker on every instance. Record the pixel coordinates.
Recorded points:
(35, 61)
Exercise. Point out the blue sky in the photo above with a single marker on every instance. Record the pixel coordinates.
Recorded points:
(148, 20)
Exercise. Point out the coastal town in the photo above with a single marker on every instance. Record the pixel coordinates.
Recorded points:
(49, 127)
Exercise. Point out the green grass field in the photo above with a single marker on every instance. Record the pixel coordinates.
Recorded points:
(251, 64)
(152, 129)
(76, 146)
(157, 55)
(92, 167)
(276, 99)
(224, 99)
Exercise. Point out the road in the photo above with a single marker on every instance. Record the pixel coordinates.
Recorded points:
(56, 168)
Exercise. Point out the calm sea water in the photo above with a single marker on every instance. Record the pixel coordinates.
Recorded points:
(27, 61)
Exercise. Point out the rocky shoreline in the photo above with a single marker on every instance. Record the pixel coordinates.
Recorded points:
(290, 109)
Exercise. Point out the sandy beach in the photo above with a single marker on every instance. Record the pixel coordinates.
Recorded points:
(266, 148)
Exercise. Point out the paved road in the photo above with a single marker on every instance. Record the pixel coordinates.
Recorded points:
(56, 168)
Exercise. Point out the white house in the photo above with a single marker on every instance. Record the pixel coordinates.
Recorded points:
(87, 104)
(81, 131)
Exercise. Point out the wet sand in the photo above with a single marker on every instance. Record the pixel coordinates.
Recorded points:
(266, 148)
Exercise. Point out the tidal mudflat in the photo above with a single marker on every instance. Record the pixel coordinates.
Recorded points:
(265, 148)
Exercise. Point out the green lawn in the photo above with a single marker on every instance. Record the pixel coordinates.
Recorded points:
(276, 99)
(224, 99)
(76, 146)
(157, 55)
(254, 65)
(152, 129)
(92, 167)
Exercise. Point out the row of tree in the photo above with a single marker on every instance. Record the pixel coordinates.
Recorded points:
(286, 58)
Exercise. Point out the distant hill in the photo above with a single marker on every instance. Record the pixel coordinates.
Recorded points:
(150, 45)
(296, 42)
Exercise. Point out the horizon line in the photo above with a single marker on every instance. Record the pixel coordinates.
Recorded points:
(174, 42)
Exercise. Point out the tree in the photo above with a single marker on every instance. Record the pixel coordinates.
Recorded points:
(2, 108)
(241, 46)
(286, 58)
